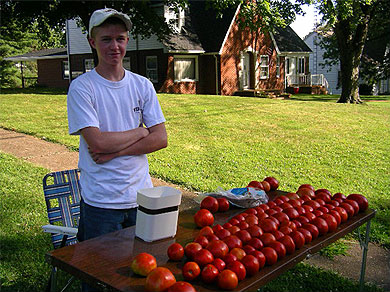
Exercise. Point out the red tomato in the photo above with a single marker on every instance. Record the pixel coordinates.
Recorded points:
(334, 203)
(223, 204)
(143, 263)
(288, 243)
(285, 205)
(306, 186)
(244, 235)
(238, 252)
(292, 196)
(264, 206)
(175, 252)
(331, 221)
(324, 196)
(260, 257)
(354, 204)
(292, 213)
(342, 212)
(219, 264)
(273, 182)
(323, 191)
(251, 264)
(203, 257)
(255, 184)
(203, 218)
(227, 225)
(303, 219)
(278, 234)
(312, 203)
(321, 225)
(323, 209)
(209, 274)
(278, 201)
(298, 238)
(256, 243)
(310, 215)
(159, 279)
(281, 216)
(271, 256)
(233, 229)
(285, 230)
(218, 248)
(191, 249)
(320, 201)
(232, 241)
(305, 192)
(255, 230)
(217, 227)
(347, 207)
(312, 229)
(227, 280)
(210, 203)
(289, 224)
(202, 240)
(222, 233)
(339, 196)
(248, 248)
(238, 268)
(267, 238)
(307, 208)
(252, 219)
(243, 225)
(307, 234)
(268, 225)
(295, 203)
(266, 186)
(336, 215)
(279, 248)
(229, 258)
(190, 271)
(212, 237)
(181, 286)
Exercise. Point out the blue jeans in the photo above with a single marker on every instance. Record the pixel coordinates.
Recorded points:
(98, 221)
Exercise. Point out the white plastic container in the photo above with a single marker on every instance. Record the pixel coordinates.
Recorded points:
(158, 211)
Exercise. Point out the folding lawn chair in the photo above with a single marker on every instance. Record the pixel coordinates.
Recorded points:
(62, 196)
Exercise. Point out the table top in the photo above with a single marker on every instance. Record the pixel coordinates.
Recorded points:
(105, 261)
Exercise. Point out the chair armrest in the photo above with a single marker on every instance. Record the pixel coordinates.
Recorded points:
(60, 229)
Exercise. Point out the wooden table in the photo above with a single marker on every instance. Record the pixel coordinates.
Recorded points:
(104, 261)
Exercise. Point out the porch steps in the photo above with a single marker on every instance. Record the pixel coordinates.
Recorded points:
(264, 93)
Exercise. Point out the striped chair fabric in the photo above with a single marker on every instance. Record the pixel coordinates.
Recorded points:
(62, 196)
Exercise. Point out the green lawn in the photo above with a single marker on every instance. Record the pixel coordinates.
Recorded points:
(228, 141)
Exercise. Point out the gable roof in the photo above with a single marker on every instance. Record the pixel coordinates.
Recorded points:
(286, 40)
(56, 53)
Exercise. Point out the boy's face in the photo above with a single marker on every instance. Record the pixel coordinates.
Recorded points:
(110, 42)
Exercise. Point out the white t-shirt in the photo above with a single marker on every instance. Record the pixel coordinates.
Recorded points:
(94, 101)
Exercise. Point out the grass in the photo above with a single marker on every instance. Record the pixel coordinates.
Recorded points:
(228, 141)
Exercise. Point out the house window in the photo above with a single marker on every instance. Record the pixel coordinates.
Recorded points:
(89, 64)
(301, 65)
(175, 17)
(287, 66)
(151, 68)
(277, 67)
(186, 68)
(126, 63)
(264, 66)
(65, 70)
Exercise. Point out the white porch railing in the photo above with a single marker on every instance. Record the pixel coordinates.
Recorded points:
(309, 79)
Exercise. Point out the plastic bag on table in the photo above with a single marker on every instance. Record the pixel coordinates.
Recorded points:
(240, 197)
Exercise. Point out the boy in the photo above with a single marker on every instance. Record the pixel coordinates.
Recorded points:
(108, 108)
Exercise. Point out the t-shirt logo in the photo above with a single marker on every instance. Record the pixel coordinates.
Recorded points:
(137, 109)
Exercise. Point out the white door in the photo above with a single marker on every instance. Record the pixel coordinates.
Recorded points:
(245, 70)
(290, 70)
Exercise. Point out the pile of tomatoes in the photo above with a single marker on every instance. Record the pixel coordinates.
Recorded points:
(260, 236)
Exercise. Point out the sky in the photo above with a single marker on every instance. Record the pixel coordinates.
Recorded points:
(304, 24)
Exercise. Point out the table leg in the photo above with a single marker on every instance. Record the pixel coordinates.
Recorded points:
(364, 246)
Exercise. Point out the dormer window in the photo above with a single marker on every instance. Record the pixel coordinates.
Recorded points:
(175, 18)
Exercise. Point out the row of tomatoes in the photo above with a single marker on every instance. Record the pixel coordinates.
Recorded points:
(226, 254)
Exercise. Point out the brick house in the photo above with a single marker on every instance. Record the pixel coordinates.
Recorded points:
(205, 55)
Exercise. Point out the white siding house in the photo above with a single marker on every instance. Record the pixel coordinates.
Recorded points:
(316, 59)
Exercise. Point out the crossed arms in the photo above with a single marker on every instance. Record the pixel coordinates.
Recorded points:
(104, 146)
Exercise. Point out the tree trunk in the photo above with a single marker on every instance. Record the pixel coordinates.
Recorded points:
(350, 44)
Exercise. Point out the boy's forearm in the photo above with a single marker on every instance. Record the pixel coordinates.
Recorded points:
(156, 140)
(111, 142)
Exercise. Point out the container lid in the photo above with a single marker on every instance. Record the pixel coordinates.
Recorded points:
(159, 197)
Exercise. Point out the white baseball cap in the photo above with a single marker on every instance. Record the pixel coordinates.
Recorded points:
(99, 16)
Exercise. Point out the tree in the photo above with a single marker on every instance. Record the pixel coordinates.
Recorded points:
(349, 20)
